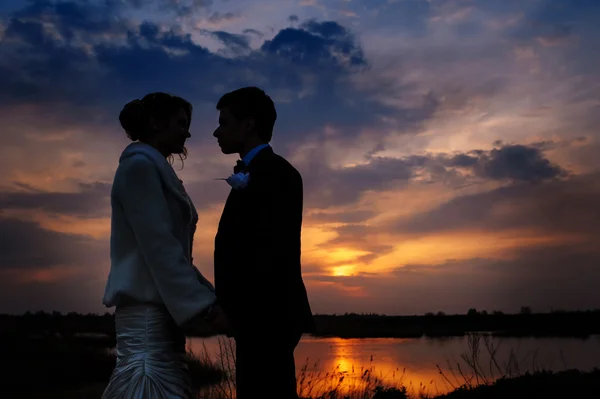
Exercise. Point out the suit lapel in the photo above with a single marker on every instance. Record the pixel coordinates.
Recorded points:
(237, 200)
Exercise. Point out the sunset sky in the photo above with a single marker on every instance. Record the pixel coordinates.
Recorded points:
(449, 148)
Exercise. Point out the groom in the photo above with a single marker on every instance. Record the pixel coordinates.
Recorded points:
(258, 278)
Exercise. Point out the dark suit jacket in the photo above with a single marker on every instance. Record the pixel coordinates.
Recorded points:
(258, 277)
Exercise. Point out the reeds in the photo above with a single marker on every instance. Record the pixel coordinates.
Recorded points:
(335, 384)
(478, 366)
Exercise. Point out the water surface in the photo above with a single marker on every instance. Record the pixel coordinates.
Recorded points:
(414, 362)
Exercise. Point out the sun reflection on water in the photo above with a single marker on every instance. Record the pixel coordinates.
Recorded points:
(324, 365)
(347, 368)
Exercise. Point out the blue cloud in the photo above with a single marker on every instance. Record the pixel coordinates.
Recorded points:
(181, 8)
(518, 163)
(27, 245)
(234, 41)
(87, 54)
(559, 206)
(410, 17)
(326, 45)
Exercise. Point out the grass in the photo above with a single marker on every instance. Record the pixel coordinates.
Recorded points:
(336, 384)
(566, 384)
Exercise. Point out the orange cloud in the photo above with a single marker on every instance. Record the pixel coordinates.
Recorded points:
(31, 276)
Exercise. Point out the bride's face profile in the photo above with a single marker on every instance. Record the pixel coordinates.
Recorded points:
(171, 136)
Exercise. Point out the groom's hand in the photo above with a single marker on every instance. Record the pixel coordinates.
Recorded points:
(220, 322)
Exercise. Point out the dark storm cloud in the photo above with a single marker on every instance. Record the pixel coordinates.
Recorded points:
(564, 206)
(28, 245)
(552, 22)
(234, 41)
(91, 201)
(83, 55)
(253, 32)
(509, 162)
(326, 186)
(218, 17)
(181, 8)
(41, 61)
(325, 44)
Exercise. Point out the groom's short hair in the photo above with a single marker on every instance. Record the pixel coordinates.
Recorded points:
(252, 103)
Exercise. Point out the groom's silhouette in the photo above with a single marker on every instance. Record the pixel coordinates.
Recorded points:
(258, 276)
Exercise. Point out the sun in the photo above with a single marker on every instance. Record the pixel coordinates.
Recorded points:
(343, 271)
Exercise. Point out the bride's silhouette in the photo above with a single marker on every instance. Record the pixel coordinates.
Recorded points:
(152, 282)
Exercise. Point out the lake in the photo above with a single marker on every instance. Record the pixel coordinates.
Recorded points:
(414, 361)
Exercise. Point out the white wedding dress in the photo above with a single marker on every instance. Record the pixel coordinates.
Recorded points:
(151, 356)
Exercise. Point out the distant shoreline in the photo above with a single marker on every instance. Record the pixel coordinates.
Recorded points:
(582, 324)
(542, 325)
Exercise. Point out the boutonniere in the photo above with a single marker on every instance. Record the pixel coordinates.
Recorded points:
(239, 179)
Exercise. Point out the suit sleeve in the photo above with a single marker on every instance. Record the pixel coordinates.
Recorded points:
(140, 193)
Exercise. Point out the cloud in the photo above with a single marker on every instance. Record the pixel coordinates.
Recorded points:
(353, 235)
(218, 17)
(509, 162)
(181, 8)
(26, 245)
(92, 201)
(253, 32)
(552, 22)
(322, 44)
(342, 217)
(81, 55)
(564, 206)
(328, 185)
(237, 43)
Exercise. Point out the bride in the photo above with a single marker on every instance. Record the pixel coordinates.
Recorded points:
(156, 289)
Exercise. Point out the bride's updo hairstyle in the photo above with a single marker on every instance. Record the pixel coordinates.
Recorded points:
(139, 117)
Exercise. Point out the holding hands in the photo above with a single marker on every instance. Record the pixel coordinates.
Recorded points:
(218, 320)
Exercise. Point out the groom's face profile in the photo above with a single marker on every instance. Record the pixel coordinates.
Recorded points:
(231, 134)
